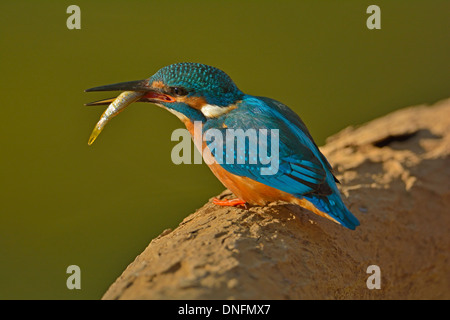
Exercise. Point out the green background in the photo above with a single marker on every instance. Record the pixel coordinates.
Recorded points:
(97, 207)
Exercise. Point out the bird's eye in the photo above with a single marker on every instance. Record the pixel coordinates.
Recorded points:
(178, 91)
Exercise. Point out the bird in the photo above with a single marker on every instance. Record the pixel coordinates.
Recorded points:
(199, 93)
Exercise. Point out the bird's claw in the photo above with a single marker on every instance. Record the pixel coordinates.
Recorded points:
(230, 202)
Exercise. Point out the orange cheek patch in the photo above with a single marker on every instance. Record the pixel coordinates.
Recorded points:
(193, 102)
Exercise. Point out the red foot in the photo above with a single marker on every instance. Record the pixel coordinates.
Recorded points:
(230, 203)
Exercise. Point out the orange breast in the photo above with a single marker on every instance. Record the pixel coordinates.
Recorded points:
(248, 189)
(257, 193)
(244, 188)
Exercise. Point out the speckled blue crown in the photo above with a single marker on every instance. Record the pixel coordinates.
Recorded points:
(200, 80)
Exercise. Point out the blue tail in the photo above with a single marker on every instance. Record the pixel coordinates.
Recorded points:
(335, 208)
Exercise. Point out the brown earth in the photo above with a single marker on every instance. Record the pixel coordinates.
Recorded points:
(395, 177)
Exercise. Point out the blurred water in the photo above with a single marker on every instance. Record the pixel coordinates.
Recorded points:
(97, 207)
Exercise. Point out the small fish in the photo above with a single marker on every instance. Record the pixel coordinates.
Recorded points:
(121, 102)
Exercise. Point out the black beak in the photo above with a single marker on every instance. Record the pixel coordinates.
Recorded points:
(139, 85)
(151, 94)
(101, 102)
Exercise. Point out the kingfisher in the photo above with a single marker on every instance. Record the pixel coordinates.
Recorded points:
(198, 93)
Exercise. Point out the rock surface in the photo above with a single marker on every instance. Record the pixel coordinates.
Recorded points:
(395, 178)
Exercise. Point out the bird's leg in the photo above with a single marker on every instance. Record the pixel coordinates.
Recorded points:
(230, 202)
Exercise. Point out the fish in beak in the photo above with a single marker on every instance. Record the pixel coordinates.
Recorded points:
(121, 102)
(133, 91)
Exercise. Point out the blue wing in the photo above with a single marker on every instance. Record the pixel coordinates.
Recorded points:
(300, 168)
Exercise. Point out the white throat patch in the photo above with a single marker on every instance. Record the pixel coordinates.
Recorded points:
(213, 111)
